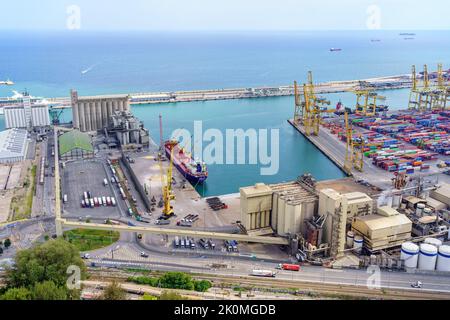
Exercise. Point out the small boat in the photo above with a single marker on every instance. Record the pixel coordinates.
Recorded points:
(335, 49)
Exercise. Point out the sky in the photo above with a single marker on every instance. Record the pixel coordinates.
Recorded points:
(223, 15)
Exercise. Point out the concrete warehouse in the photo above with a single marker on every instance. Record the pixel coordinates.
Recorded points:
(93, 113)
(26, 115)
(13, 145)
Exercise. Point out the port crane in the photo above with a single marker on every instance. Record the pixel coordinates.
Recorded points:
(309, 107)
(366, 101)
(354, 156)
(167, 194)
(423, 96)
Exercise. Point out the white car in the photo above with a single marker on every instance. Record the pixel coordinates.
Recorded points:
(417, 284)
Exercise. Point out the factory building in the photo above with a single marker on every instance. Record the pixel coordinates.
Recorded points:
(256, 207)
(93, 113)
(26, 115)
(292, 206)
(388, 228)
(129, 131)
(340, 210)
(442, 194)
(280, 208)
(75, 145)
(13, 145)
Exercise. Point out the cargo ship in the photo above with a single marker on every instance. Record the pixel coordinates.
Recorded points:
(335, 49)
(195, 172)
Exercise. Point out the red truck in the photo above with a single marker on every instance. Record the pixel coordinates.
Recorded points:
(289, 267)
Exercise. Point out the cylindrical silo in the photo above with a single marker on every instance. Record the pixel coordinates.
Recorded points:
(409, 254)
(419, 209)
(358, 243)
(433, 241)
(350, 238)
(81, 117)
(104, 114)
(427, 212)
(87, 114)
(274, 216)
(281, 214)
(443, 259)
(427, 256)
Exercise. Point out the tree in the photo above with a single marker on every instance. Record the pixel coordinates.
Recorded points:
(170, 295)
(17, 294)
(113, 292)
(1, 250)
(48, 261)
(7, 243)
(48, 290)
(202, 285)
(176, 280)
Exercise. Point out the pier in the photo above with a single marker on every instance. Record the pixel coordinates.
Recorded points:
(335, 150)
(381, 83)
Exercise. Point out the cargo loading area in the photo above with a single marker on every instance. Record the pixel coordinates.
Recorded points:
(81, 176)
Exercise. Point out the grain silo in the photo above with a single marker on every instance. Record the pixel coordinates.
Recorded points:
(93, 113)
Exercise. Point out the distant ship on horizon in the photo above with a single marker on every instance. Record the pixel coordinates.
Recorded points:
(335, 49)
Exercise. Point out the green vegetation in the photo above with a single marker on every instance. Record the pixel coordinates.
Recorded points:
(87, 239)
(173, 280)
(171, 295)
(40, 273)
(22, 201)
(113, 292)
(147, 296)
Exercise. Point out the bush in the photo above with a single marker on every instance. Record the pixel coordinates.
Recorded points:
(173, 280)
(17, 294)
(176, 280)
(170, 295)
(113, 292)
(202, 285)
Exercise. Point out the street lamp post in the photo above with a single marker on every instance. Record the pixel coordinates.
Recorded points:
(112, 252)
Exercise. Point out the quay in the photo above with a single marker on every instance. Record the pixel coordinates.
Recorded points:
(335, 150)
(381, 83)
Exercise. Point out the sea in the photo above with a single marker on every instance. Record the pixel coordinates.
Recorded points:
(49, 64)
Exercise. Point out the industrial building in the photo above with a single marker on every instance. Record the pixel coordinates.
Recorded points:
(280, 208)
(129, 131)
(339, 211)
(26, 115)
(75, 145)
(388, 228)
(13, 145)
(93, 113)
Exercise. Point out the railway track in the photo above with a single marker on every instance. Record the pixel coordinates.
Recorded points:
(300, 288)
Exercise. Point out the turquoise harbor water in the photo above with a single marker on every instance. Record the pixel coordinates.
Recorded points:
(50, 64)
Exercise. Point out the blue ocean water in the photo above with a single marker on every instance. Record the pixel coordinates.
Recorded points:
(50, 64)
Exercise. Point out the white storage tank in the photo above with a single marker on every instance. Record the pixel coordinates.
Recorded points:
(409, 254)
(419, 209)
(350, 238)
(427, 256)
(358, 243)
(433, 241)
(427, 212)
(443, 259)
